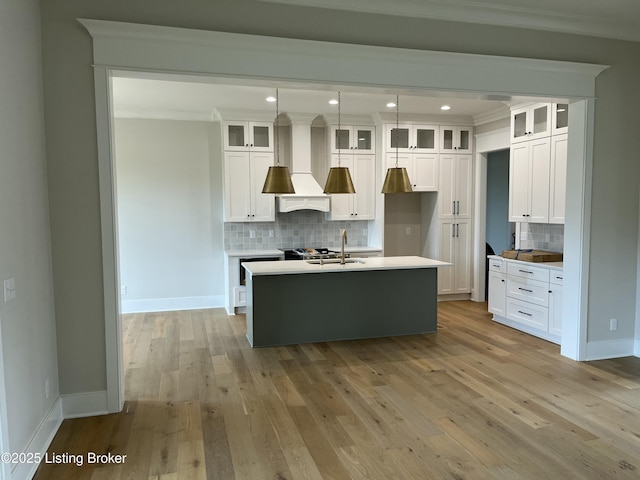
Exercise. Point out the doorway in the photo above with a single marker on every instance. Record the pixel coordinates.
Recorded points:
(232, 55)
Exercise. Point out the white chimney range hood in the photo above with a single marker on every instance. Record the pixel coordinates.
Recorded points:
(309, 194)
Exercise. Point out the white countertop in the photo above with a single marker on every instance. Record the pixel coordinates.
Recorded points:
(551, 265)
(371, 263)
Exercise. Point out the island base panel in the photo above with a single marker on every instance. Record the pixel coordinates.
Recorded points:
(304, 308)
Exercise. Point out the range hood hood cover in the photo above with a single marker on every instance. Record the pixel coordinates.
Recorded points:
(309, 194)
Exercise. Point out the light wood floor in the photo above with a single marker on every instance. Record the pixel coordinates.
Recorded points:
(477, 400)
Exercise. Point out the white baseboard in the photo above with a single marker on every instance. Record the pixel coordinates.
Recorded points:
(172, 304)
(84, 404)
(40, 441)
(602, 350)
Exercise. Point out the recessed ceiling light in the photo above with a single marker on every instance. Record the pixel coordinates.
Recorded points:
(271, 99)
(333, 101)
(445, 107)
(391, 105)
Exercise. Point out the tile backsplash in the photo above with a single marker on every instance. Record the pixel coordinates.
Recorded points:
(304, 228)
(543, 236)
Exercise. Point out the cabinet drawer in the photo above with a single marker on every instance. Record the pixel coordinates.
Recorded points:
(528, 290)
(496, 265)
(528, 314)
(528, 271)
(556, 277)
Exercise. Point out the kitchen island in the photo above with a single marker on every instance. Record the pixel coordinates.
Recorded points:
(300, 302)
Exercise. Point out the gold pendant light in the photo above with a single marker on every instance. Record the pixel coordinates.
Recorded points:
(339, 178)
(278, 179)
(397, 179)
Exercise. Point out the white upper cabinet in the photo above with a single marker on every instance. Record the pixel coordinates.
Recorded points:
(412, 138)
(355, 139)
(244, 175)
(559, 118)
(359, 205)
(456, 139)
(242, 136)
(529, 172)
(531, 122)
(558, 178)
(422, 169)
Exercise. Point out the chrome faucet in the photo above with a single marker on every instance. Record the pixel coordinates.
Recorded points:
(343, 234)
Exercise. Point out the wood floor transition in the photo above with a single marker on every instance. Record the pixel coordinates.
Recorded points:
(477, 400)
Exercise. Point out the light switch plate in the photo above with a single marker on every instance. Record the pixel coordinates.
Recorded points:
(9, 289)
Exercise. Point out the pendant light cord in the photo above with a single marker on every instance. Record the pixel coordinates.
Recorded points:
(339, 128)
(277, 129)
(397, 126)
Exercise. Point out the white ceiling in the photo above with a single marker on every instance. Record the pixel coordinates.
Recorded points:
(199, 98)
(603, 18)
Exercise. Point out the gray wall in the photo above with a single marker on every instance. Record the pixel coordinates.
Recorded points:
(169, 213)
(498, 227)
(72, 150)
(28, 324)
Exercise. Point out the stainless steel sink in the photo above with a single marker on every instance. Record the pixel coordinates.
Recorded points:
(324, 261)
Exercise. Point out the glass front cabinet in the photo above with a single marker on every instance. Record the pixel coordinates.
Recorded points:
(531, 122)
(241, 136)
(456, 139)
(355, 139)
(412, 138)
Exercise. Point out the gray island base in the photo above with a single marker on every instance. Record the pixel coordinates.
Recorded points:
(340, 302)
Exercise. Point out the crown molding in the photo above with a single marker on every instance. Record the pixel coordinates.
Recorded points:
(164, 115)
(492, 116)
(488, 14)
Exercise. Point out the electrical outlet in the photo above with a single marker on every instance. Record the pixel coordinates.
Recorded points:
(613, 324)
(9, 289)
(271, 233)
(252, 234)
(408, 231)
(364, 232)
(47, 388)
(123, 290)
(523, 235)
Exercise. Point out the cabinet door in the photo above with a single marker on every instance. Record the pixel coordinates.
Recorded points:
(262, 204)
(497, 293)
(424, 138)
(558, 179)
(425, 172)
(237, 187)
(455, 139)
(342, 203)
(531, 122)
(555, 309)
(463, 185)
(446, 193)
(405, 160)
(363, 139)
(446, 251)
(364, 180)
(236, 135)
(559, 118)
(462, 257)
(398, 137)
(261, 136)
(519, 183)
(341, 139)
(540, 164)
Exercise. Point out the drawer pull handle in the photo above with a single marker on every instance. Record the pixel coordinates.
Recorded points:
(525, 313)
(525, 290)
(559, 278)
(526, 271)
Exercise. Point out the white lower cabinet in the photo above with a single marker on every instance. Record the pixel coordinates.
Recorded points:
(455, 247)
(526, 296)
(555, 303)
(497, 298)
